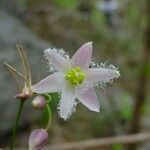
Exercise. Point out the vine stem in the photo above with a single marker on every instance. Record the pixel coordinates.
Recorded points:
(15, 126)
(49, 118)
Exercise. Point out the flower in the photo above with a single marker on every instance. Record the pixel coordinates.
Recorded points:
(39, 102)
(38, 139)
(75, 79)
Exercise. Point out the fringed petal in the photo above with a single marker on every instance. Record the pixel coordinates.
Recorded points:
(59, 62)
(102, 75)
(67, 103)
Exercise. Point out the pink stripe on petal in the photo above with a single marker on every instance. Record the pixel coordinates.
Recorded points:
(83, 56)
(58, 61)
(50, 84)
(89, 99)
(102, 74)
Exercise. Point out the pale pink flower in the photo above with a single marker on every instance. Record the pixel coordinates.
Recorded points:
(39, 102)
(75, 79)
(38, 139)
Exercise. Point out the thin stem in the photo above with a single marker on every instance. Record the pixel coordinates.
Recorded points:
(25, 63)
(13, 69)
(48, 101)
(49, 118)
(16, 125)
(12, 73)
(47, 97)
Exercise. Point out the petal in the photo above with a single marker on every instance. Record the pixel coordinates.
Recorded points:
(83, 56)
(89, 99)
(50, 84)
(102, 74)
(67, 103)
(57, 60)
(38, 139)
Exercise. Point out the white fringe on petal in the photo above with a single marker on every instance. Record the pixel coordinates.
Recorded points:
(59, 51)
(67, 103)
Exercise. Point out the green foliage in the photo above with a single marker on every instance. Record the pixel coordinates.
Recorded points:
(24, 3)
(103, 124)
(98, 18)
(67, 4)
(54, 101)
(118, 147)
(126, 109)
(44, 118)
(132, 14)
(147, 70)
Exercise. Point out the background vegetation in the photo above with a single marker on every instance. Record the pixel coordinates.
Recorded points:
(68, 24)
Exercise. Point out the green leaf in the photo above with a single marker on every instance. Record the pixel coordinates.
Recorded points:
(69, 4)
(126, 110)
(118, 147)
(147, 69)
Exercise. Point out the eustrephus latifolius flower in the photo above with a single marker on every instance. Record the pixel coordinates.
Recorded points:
(75, 79)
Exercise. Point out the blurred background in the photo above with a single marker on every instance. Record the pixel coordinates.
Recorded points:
(120, 31)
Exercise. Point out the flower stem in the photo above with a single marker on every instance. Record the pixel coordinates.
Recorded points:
(47, 97)
(49, 118)
(15, 126)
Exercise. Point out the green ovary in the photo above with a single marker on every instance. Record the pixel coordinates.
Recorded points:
(75, 76)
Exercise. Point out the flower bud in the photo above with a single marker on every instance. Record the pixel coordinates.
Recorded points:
(38, 139)
(39, 102)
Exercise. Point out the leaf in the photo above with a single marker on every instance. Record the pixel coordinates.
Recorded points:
(118, 147)
(69, 4)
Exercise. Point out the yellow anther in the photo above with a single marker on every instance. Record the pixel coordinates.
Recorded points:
(75, 76)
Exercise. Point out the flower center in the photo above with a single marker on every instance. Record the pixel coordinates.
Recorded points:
(75, 76)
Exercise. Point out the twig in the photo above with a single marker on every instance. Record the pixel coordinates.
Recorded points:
(14, 76)
(25, 63)
(103, 142)
(14, 70)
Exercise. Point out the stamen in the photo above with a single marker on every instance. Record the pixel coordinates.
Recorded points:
(75, 76)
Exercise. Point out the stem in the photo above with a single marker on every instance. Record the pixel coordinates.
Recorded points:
(49, 118)
(15, 126)
(103, 143)
(16, 80)
(14, 70)
(47, 97)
